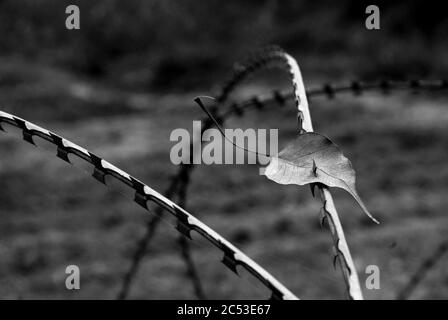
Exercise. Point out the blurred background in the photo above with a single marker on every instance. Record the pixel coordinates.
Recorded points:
(128, 77)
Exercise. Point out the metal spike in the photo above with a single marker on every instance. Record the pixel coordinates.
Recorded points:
(62, 154)
(230, 263)
(99, 175)
(324, 207)
(323, 217)
(335, 259)
(314, 168)
(337, 247)
(300, 120)
(28, 137)
(323, 214)
(184, 229)
(313, 187)
(138, 187)
(141, 200)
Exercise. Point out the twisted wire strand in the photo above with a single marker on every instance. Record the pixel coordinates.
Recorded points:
(186, 222)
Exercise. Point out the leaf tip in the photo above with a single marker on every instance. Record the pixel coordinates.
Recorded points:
(370, 215)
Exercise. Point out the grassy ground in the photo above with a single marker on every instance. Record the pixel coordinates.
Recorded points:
(51, 215)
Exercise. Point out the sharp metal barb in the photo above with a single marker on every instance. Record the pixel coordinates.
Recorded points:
(335, 260)
(323, 217)
(314, 170)
(99, 175)
(313, 187)
(28, 137)
(230, 263)
(141, 200)
(62, 154)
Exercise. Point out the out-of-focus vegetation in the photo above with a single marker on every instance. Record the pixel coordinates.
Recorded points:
(167, 44)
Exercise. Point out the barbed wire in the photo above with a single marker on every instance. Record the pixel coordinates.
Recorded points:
(330, 91)
(186, 222)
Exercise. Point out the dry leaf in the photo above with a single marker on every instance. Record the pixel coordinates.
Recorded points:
(313, 158)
